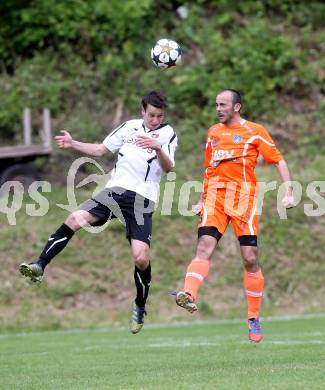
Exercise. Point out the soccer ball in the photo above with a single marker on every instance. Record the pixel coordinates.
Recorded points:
(166, 53)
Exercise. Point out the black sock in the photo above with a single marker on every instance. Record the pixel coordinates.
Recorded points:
(142, 280)
(55, 244)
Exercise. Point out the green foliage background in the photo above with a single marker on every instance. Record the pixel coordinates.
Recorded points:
(89, 63)
(76, 55)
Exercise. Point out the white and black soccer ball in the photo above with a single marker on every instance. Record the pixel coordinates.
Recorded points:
(166, 53)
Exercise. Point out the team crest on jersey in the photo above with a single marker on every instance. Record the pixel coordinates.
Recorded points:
(237, 139)
(155, 135)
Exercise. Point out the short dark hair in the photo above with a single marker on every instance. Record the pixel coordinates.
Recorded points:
(236, 96)
(154, 98)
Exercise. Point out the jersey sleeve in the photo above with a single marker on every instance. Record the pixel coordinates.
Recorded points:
(114, 141)
(170, 147)
(267, 148)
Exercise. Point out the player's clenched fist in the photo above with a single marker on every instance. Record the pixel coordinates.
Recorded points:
(288, 201)
(146, 142)
(64, 141)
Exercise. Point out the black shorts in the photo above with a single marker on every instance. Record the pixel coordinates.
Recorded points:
(132, 209)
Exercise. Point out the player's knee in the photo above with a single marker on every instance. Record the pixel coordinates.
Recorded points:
(141, 260)
(74, 221)
(203, 253)
(250, 260)
(205, 248)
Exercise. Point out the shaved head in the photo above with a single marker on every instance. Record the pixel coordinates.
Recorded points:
(228, 105)
(236, 96)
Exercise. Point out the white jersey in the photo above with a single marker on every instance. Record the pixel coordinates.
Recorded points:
(138, 169)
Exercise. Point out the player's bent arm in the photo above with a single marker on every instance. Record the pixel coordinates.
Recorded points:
(164, 161)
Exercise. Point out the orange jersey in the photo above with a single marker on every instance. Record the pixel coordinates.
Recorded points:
(231, 152)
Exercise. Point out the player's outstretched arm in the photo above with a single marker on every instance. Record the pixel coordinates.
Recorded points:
(65, 141)
(288, 199)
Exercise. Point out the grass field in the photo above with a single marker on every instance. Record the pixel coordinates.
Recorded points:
(197, 355)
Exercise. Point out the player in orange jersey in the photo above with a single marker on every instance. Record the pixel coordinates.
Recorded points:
(230, 195)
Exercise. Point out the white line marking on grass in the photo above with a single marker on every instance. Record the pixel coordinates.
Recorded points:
(304, 334)
(293, 342)
(294, 317)
(179, 324)
(183, 344)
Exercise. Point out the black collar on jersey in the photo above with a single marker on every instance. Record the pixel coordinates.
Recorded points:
(159, 127)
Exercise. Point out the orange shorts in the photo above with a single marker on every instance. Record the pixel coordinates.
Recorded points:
(238, 208)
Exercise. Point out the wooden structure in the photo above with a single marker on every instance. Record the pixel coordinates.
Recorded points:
(15, 159)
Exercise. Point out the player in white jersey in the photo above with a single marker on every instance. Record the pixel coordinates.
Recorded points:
(145, 149)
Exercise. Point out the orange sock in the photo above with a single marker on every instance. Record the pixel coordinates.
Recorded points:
(196, 272)
(254, 284)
